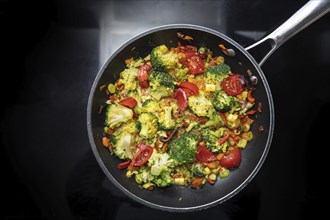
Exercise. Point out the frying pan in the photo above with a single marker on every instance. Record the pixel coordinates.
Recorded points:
(182, 198)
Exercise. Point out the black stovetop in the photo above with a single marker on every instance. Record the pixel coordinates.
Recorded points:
(52, 51)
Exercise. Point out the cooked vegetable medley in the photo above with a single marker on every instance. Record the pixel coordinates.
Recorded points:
(178, 116)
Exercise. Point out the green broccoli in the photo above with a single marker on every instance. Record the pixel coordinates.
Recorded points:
(166, 121)
(160, 162)
(162, 59)
(128, 78)
(184, 148)
(181, 74)
(215, 74)
(135, 63)
(117, 114)
(163, 180)
(143, 175)
(122, 143)
(200, 105)
(130, 126)
(211, 139)
(214, 120)
(158, 78)
(149, 125)
(197, 170)
(151, 106)
(223, 102)
(161, 84)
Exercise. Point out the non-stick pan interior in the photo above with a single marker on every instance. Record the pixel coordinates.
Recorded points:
(182, 198)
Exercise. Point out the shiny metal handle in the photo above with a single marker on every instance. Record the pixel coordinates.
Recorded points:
(310, 12)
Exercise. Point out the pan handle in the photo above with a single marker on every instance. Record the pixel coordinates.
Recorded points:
(310, 12)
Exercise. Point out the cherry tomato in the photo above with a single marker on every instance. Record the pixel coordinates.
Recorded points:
(181, 99)
(128, 102)
(188, 92)
(233, 85)
(142, 155)
(190, 86)
(231, 159)
(143, 72)
(144, 84)
(204, 155)
(193, 62)
(124, 165)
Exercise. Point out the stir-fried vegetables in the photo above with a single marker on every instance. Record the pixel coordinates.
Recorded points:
(179, 116)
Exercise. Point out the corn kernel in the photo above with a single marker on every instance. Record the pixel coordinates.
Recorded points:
(232, 117)
(207, 170)
(179, 181)
(210, 87)
(242, 143)
(212, 176)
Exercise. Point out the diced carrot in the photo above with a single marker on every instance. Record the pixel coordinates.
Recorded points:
(106, 142)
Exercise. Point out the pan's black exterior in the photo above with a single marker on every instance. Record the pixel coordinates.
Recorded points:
(182, 198)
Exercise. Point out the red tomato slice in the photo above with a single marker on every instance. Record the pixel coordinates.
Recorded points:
(142, 155)
(181, 99)
(143, 72)
(128, 102)
(233, 85)
(193, 62)
(204, 155)
(124, 165)
(231, 159)
(191, 86)
(144, 84)
(196, 65)
(188, 92)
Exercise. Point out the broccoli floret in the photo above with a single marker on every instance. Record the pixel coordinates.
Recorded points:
(150, 105)
(181, 74)
(197, 170)
(163, 180)
(223, 102)
(211, 139)
(158, 78)
(117, 114)
(216, 74)
(214, 120)
(149, 125)
(162, 59)
(166, 121)
(143, 175)
(128, 78)
(121, 143)
(200, 105)
(161, 84)
(131, 126)
(184, 148)
(160, 162)
(135, 63)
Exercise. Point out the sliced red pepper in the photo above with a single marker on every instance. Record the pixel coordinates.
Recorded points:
(124, 165)
(224, 118)
(190, 86)
(204, 155)
(128, 102)
(251, 112)
(224, 138)
(249, 96)
(181, 99)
